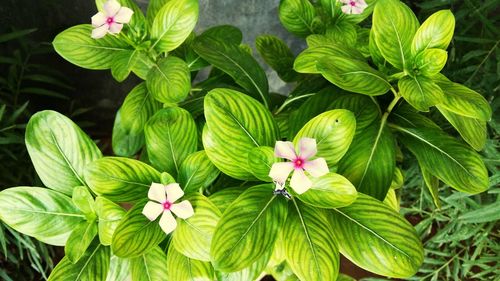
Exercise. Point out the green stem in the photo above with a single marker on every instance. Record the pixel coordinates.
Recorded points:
(390, 107)
(287, 102)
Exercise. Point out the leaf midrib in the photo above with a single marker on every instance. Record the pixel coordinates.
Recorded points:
(309, 240)
(66, 159)
(87, 262)
(372, 152)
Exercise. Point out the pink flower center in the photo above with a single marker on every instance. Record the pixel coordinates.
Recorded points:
(352, 3)
(298, 163)
(110, 20)
(167, 205)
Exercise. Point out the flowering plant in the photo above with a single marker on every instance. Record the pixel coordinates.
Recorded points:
(218, 145)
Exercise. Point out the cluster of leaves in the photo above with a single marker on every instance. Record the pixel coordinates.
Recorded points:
(216, 140)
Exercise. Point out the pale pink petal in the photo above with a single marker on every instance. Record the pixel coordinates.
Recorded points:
(316, 167)
(300, 182)
(157, 192)
(345, 1)
(183, 210)
(346, 9)
(362, 4)
(111, 8)
(115, 27)
(98, 19)
(307, 148)
(280, 171)
(99, 32)
(152, 210)
(284, 149)
(174, 192)
(124, 15)
(356, 10)
(167, 222)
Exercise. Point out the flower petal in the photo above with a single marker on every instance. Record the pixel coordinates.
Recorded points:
(356, 10)
(346, 9)
(152, 210)
(284, 149)
(300, 182)
(157, 192)
(280, 171)
(98, 19)
(174, 192)
(345, 1)
(99, 32)
(167, 222)
(362, 4)
(183, 210)
(307, 148)
(111, 8)
(124, 15)
(316, 167)
(115, 27)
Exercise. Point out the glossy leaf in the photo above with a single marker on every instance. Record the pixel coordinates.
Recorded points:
(223, 198)
(252, 272)
(364, 108)
(151, 266)
(224, 33)
(110, 215)
(181, 268)
(394, 26)
(76, 46)
(432, 184)
(435, 32)
(234, 116)
(30, 210)
(329, 191)
(120, 179)
(59, 150)
(169, 81)
(310, 247)
(297, 16)
(342, 32)
(472, 130)
(119, 269)
(197, 172)
(430, 61)
(278, 55)
(80, 240)
(333, 130)
(173, 23)
(84, 201)
(420, 92)
(123, 142)
(307, 60)
(388, 244)
(464, 101)
(391, 200)
(248, 228)
(260, 160)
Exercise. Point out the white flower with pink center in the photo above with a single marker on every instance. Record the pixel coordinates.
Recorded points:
(111, 20)
(300, 164)
(353, 6)
(163, 203)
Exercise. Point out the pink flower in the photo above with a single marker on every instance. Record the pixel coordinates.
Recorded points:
(163, 204)
(299, 162)
(111, 20)
(353, 6)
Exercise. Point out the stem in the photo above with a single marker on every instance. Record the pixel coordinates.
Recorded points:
(390, 107)
(287, 102)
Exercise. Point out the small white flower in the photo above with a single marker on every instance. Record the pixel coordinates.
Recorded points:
(163, 197)
(111, 20)
(353, 6)
(300, 182)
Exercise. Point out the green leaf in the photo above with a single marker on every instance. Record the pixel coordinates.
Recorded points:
(181, 268)
(429, 62)
(30, 210)
(260, 160)
(76, 46)
(353, 75)
(197, 172)
(80, 240)
(329, 191)
(234, 116)
(225, 33)
(119, 269)
(193, 236)
(120, 179)
(333, 130)
(278, 55)
(235, 62)
(123, 142)
(386, 243)
(298, 16)
(223, 198)
(306, 61)
(472, 130)
(135, 234)
(84, 201)
(169, 81)
(248, 228)
(171, 135)
(394, 26)
(435, 32)
(173, 23)
(110, 215)
(451, 161)
(420, 92)
(60, 150)
(432, 184)
(252, 272)
(343, 32)
(485, 213)
(310, 246)
(120, 66)
(364, 108)
(137, 109)
(154, 7)
(369, 164)
(464, 101)
(150, 266)
(92, 266)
